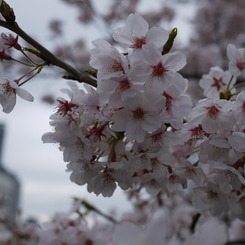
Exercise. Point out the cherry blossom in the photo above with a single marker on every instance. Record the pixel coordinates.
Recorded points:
(136, 33)
(210, 198)
(157, 70)
(138, 116)
(237, 60)
(138, 130)
(8, 91)
(107, 60)
(213, 115)
(215, 82)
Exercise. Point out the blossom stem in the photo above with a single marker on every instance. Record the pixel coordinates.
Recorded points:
(22, 51)
(29, 72)
(228, 86)
(90, 207)
(48, 56)
(38, 68)
(239, 84)
(23, 63)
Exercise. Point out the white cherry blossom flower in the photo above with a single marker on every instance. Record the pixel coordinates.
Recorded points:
(103, 184)
(140, 115)
(8, 91)
(107, 60)
(210, 198)
(136, 33)
(215, 82)
(114, 89)
(157, 70)
(236, 57)
(178, 104)
(213, 115)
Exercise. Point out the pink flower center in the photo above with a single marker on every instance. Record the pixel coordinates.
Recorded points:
(241, 65)
(124, 85)
(138, 42)
(138, 114)
(197, 132)
(5, 88)
(169, 100)
(64, 107)
(158, 70)
(218, 83)
(96, 133)
(116, 67)
(243, 106)
(212, 111)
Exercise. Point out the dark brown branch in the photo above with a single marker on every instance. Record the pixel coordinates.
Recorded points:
(48, 56)
(195, 219)
(237, 242)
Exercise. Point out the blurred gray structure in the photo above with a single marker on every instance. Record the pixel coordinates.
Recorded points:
(9, 189)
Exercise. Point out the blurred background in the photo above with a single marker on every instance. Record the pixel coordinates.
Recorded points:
(67, 27)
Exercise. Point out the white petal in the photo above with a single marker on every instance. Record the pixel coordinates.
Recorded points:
(158, 36)
(136, 25)
(9, 103)
(24, 94)
(231, 52)
(174, 61)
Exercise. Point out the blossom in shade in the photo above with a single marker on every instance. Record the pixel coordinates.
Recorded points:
(210, 198)
(236, 57)
(213, 115)
(239, 108)
(138, 116)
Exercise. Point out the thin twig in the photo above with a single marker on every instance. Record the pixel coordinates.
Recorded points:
(90, 207)
(48, 56)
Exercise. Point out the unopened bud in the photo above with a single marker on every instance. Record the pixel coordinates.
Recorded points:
(34, 51)
(10, 41)
(91, 72)
(169, 44)
(69, 77)
(7, 12)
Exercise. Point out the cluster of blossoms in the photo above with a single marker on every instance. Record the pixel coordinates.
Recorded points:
(148, 223)
(139, 129)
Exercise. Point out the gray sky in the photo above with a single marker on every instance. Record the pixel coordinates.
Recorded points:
(45, 186)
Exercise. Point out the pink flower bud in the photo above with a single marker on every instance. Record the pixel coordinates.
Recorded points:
(10, 41)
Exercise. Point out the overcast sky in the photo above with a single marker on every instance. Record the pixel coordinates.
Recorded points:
(45, 186)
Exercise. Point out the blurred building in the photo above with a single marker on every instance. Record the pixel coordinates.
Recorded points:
(9, 190)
